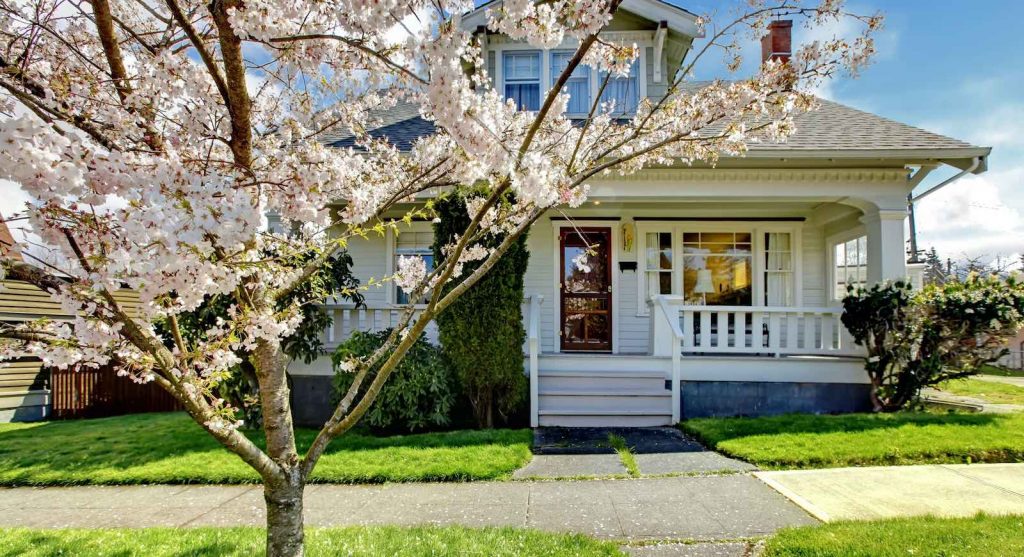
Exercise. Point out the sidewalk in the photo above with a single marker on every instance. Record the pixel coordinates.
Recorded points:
(704, 508)
(957, 490)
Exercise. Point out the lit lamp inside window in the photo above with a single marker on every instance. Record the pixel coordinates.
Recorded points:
(704, 285)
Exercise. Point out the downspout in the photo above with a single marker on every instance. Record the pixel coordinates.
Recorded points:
(911, 198)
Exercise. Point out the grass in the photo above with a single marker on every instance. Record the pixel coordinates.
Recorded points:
(981, 536)
(171, 448)
(377, 540)
(989, 391)
(1001, 371)
(808, 441)
(625, 454)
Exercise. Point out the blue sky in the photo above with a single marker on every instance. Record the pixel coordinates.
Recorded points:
(954, 67)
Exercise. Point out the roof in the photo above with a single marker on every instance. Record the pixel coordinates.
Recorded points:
(677, 19)
(834, 130)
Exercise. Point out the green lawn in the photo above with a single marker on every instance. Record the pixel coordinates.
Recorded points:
(808, 441)
(997, 370)
(170, 448)
(981, 536)
(377, 540)
(996, 393)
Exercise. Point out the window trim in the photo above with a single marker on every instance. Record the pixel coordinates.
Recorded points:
(541, 54)
(757, 229)
(830, 249)
(545, 65)
(391, 252)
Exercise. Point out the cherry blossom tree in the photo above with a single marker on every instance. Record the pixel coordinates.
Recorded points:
(152, 137)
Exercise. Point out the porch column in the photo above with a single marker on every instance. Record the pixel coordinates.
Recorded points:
(887, 255)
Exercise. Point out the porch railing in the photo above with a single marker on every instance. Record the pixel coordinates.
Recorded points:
(678, 329)
(533, 303)
(347, 319)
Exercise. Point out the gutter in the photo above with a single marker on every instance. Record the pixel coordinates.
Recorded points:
(911, 198)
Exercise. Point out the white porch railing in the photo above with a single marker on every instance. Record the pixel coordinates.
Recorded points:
(347, 319)
(532, 312)
(678, 329)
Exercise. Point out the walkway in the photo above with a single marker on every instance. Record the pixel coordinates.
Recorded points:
(894, 491)
(705, 508)
(1015, 381)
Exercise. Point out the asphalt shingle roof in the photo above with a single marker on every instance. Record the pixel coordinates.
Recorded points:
(834, 127)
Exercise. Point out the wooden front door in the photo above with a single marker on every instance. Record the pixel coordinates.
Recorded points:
(586, 293)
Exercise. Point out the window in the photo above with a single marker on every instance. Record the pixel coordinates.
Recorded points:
(413, 244)
(778, 269)
(578, 85)
(717, 268)
(522, 78)
(850, 265)
(623, 91)
(658, 263)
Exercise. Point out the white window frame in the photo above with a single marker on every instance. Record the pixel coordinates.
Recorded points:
(830, 246)
(757, 230)
(391, 254)
(643, 40)
(543, 66)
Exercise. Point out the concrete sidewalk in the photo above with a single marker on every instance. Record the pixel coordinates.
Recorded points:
(705, 508)
(956, 490)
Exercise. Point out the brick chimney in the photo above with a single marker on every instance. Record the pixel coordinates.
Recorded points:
(777, 44)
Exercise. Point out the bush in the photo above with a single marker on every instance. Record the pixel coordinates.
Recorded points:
(418, 395)
(482, 332)
(946, 331)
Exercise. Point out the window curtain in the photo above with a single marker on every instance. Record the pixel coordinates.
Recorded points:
(522, 79)
(578, 85)
(525, 95)
(624, 91)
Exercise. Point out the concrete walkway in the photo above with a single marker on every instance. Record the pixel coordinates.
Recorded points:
(1015, 381)
(956, 490)
(703, 508)
(942, 398)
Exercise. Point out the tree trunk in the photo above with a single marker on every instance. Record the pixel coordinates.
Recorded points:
(285, 536)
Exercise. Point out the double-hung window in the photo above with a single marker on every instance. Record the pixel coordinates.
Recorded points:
(577, 86)
(622, 93)
(850, 265)
(717, 268)
(779, 276)
(658, 263)
(413, 244)
(522, 78)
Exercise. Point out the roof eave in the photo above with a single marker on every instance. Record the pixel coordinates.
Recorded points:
(959, 158)
(678, 19)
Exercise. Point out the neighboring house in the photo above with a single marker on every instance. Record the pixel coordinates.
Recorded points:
(1015, 359)
(714, 291)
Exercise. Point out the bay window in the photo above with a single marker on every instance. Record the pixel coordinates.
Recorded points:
(522, 78)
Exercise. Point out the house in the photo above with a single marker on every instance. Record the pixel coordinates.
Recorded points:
(714, 290)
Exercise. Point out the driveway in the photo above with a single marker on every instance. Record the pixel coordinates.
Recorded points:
(958, 490)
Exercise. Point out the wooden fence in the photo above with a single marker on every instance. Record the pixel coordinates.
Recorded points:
(94, 393)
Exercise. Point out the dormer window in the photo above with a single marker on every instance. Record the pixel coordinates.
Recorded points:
(578, 85)
(623, 91)
(522, 78)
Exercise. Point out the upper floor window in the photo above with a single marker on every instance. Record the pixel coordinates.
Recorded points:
(624, 92)
(578, 85)
(522, 78)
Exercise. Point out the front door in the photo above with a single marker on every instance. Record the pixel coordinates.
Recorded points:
(586, 289)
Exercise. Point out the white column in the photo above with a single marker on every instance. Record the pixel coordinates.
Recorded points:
(887, 254)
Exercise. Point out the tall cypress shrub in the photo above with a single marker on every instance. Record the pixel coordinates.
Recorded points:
(482, 332)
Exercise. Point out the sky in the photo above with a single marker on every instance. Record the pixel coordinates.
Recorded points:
(954, 67)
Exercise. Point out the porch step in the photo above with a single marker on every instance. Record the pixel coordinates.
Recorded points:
(607, 363)
(604, 418)
(600, 381)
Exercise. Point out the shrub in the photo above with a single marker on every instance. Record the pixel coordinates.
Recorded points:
(418, 395)
(946, 331)
(482, 332)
